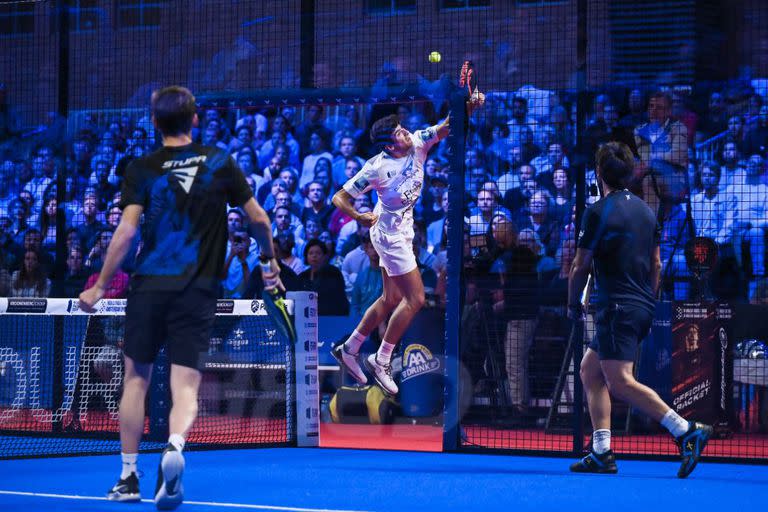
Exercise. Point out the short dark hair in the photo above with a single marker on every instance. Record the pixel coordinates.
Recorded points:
(615, 164)
(662, 95)
(282, 208)
(382, 130)
(174, 109)
(286, 241)
(712, 166)
(315, 242)
(237, 211)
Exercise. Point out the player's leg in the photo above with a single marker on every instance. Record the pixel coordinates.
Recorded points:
(190, 319)
(598, 398)
(185, 383)
(135, 385)
(347, 353)
(623, 385)
(411, 288)
(144, 332)
(380, 310)
(600, 459)
(628, 325)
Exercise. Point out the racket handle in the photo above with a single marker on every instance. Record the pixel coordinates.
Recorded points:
(266, 268)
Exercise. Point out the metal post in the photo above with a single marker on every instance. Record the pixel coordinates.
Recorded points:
(455, 219)
(581, 86)
(62, 109)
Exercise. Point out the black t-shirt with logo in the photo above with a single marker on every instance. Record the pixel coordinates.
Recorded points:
(184, 192)
(622, 232)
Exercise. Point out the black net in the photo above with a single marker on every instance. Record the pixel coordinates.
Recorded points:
(676, 83)
(61, 378)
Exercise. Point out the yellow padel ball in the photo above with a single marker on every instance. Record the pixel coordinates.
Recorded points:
(435, 57)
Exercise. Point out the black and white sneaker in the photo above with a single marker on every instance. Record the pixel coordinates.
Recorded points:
(691, 445)
(350, 362)
(382, 373)
(169, 492)
(126, 489)
(596, 463)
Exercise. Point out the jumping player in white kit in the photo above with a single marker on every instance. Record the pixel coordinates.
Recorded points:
(397, 175)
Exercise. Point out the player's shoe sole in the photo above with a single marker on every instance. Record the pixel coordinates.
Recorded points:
(594, 463)
(692, 445)
(170, 492)
(350, 363)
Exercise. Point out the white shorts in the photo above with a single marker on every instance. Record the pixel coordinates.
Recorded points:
(395, 252)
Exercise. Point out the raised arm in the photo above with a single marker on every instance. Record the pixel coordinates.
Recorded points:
(443, 128)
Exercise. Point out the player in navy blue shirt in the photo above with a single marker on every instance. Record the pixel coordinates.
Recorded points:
(619, 244)
(182, 190)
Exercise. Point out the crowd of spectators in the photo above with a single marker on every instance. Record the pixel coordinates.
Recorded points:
(702, 171)
(294, 160)
(521, 159)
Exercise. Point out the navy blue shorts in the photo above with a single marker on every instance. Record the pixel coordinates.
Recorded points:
(619, 329)
(182, 321)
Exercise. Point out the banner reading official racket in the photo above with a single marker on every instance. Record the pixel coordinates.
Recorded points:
(701, 362)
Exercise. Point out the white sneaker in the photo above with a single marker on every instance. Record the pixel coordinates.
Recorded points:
(350, 362)
(170, 493)
(382, 373)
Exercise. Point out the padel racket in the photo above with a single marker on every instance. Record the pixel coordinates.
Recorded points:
(276, 307)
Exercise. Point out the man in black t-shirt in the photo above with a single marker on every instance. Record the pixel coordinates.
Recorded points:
(182, 190)
(619, 234)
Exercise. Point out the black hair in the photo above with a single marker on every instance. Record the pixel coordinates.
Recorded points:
(315, 242)
(173, 109)
(615, 164)
(383, 129)
(237, 211)
(659, 95)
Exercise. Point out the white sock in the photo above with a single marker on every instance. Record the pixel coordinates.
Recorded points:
(601, 441)
(676, 424)
(384, 354)
(177, 440)
(354, 342)
(129, 464)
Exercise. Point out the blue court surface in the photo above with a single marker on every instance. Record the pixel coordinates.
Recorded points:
(308, 480)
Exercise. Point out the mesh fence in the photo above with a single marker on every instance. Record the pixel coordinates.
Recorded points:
(61, 377)
(561, 78)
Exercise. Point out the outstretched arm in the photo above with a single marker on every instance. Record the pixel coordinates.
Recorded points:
(443, 128)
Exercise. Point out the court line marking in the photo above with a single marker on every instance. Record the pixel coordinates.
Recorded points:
(204, 503)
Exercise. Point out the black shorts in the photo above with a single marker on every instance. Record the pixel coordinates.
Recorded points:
(619, 329)
(182, 319)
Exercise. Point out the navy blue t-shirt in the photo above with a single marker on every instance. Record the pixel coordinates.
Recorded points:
(622, 232)
(184, 191)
